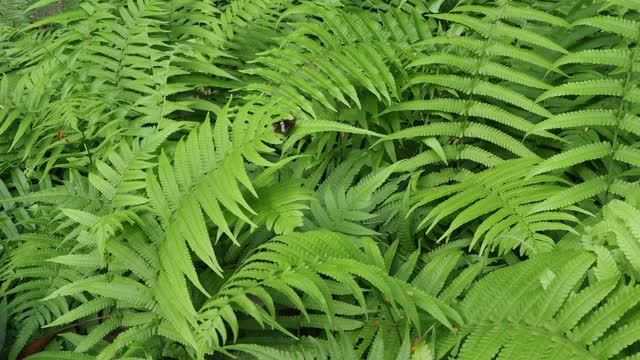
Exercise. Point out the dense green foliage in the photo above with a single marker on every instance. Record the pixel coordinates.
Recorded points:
(462, 179)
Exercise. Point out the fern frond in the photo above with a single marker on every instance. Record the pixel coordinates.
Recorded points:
(573, 119)
(134, 334)
(345, 57)
(623, 27)
(205, 178)
(619, 217)
(632, 4)
(572, 195)
(487, 68)
(497, 137)
(628, 155)
(433, 275)
(305, 128)
(351, 209)
(462, 107)
(606, 315)
(609, 87)
(572, 157)
(97, 334)
(507, 323)
(492, 49)
(483, 88)
(508, 11)
(614, 57)
(121, 208)
(127, 172)
(496, 196)
(285, 259)
(280, 206)
(500, 29)
(617, 341)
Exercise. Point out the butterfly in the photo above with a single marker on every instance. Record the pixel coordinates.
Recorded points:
(283, 126)
(60, 136)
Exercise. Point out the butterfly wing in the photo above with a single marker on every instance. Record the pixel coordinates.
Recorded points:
(283, 126)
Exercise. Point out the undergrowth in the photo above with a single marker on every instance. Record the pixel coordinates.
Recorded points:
(281, 179)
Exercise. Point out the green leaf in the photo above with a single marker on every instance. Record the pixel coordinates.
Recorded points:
(3, 322)
(572, 157)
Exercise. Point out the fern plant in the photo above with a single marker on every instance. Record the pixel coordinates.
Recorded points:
(457, 179)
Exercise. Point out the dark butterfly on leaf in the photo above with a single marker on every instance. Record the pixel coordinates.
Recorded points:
(283, 126)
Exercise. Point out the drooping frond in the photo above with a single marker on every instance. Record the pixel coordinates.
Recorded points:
(292, 265)
(504, 198)
(354, 51)
(576, 313)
